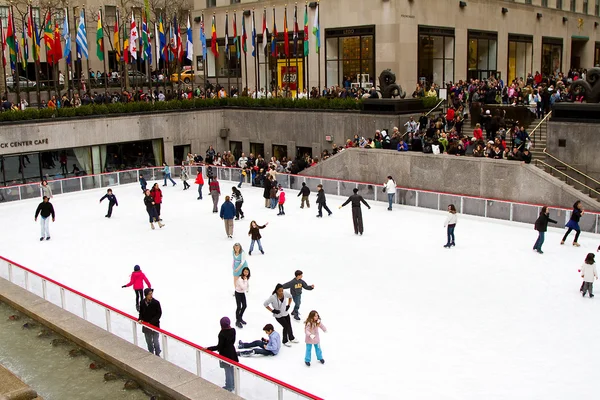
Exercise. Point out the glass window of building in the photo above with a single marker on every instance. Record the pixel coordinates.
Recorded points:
(276, 70)
(436, 55)
(573, 7)
(528, 2)
(559, 4)
(350, 57)
(520, 56)
(211, 3)
(597, 54)
(482, 54)
(551, 55)
(597, 8)
(223, 70)
(544, 3)
(585, 6)
(4, 15)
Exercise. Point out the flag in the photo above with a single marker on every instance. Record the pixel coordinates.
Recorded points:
(149, 44)
(179, 48)
(67, 36)
(144, 38)
(306, 41)
(24, 46)
(3, 44)
(48, 38)
(296, 30)
(57, 48)
(245, 36)
(133, 37)
(265, 30)
(203, 37)
(274, 37)
(286, 39)
(36, 42)
(162, 40)
(253, 37)
(214, 46)
(10, 41)
(174, 37)
(236, 40)
(317, 30)
(189, 41)
(82, 35)
(116, 38)
(227, 36)
(100, 38)
(171, 42)
(157, 42)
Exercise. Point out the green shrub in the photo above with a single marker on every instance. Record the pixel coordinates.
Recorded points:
(429, 102)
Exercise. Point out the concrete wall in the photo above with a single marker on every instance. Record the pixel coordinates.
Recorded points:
(496, 179)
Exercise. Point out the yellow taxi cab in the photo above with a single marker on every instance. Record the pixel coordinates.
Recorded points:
(186, 76)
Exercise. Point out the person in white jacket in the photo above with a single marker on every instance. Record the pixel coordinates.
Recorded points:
(276, 304)
(241, 288)
(588, 273)
(450, 224)
(390, 188)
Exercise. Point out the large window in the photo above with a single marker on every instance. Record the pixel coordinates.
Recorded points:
(277, 71)
(544, 3)
(573, 7)
(585, 6)
(597, 8)
(551, 55)
(597, 54)
(482, 54)
(520, 56)
(436, 55)
(350, 57)
(559, 4)
(211, 3)
(4, 16)
(223, 70)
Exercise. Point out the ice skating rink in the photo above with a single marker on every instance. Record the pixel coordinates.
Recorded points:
(407, 318)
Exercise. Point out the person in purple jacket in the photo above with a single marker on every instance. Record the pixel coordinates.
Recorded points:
(137, 280)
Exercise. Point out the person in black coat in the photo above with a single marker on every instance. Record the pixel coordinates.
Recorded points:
(267, 191)
(46, 209)
(151, 209)
(226, 348)
(150, 313)
(304, 192)
(321, 202)
(541, 225)
(356, 199)
(112, 201)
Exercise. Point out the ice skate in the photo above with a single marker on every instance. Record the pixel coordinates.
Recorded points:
(249, 253)
(562, 242)
(239, 324)
(576, 244)
(152, 225)
(243, 322)
(322, 361)
(287, 344)
(307, 363)
(160, 224)
(262, 252)
(48, 238)
(294, 340)
(41, 239)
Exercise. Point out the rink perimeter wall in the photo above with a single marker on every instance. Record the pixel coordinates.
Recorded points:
(468, 204)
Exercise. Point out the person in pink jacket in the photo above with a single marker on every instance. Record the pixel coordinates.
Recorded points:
(281, 196)
(137, 280)
(311, 329)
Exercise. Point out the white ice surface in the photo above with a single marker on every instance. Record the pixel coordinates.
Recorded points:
(407, 318)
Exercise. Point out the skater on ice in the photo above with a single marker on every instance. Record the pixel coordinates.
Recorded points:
(46, 189)
(389, 187)
(227, 214)
(573, 224)
(241, 288)
(239, 202)
(215, 193)
(112, 201)
(304, 192)
(322, 202)
(226, 348)
(311, 329)
(255, 236)
(157, 196)
(281, 200)
(151, 209)
(138, 278)
(167, 172)
(45, 209)
(276, 304)
(184, 178)
(264, 347)
(296, 285)
(143, 183)
(450, 224)
(588, 273)
(200, 182)
(239, 262)
(541, 225)
(356, 199)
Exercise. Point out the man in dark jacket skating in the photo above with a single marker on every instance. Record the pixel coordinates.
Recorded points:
(304, 192)
(150, 313)
(356, 199)
(46, 209)
(321, 202)
(112, 201)
(541, 225)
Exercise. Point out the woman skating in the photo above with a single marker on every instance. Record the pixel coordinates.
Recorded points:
(46, 190)
(151, 209)
(137, 280)
(276, 305)
(311, 329)
(239, 262)
(573, 223)
(184, 178)
(541, 225)
(239, 202)
(241, 287)
(226, 348)
(450, 224)
(390, 188)
(157, 196)
(254, 234)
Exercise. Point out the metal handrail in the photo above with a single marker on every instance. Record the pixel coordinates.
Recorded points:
(434, 108)
(566, 176)
(572, 168)
(532, 133)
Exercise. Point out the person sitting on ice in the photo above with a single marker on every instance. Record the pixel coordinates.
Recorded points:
(265, 347)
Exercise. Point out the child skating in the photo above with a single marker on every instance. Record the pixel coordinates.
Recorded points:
(311, 329)
(254, 234)
(296, 285)
(137, 280)
(322, 202)
(281, 200)
(588, 273)
(143, 183)
(112, 201)
(573, 224)
(450, 224)
(265, 347)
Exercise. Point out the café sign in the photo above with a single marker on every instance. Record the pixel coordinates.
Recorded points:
(24, 143)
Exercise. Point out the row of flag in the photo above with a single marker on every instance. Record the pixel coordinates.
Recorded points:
(173, 49)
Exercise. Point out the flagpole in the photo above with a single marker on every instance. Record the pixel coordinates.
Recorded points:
(3, 60)
(288, 61)
(267, 60)
(36, 60)
(25, 45)
(319, 39)
(87, 59)
(256, 56)
(296, 32)
(76, 57)
(204, 53)
(16, 78)
(306, 64)
(70, 57)
(244, 41)
(105, 78)
(192, 67)
(120, 60)
(228, 52)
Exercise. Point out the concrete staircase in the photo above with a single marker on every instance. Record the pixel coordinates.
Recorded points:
(539, 139)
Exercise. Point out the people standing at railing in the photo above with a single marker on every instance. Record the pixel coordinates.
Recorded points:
(255, 236)
(322, 202)
(143, 183)
(311, 329)
(241, 287)
(389, 187)
(227, 214)
(573, 224)
(450, 224)
(184, 177)
(541, 225)
(157, 196)
(151, 209)
(276, 305)
(215, 192)
(265, 347)
(45, 209)
(112, 201)
(137, 280)
(150, 313)
(357, 220)
(296, 285)
(167, 172)
(304, 192)
(226, 348)
(200, 183)
(46, 189)
(239, 202)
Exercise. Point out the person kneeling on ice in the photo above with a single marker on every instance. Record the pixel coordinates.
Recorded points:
(311, 328)
(265, 347)
(588, 273)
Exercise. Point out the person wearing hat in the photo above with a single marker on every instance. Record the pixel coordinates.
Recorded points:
(150, 313)
(137, 280)
(226, 348)
(356, 199)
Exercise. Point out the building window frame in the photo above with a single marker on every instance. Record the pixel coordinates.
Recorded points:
(545, 3)
(573, 6)
(445, 34)
(484, 36)
(552, 44)
(516, 38)
(211, 3)
(585, 6)
(559, 4)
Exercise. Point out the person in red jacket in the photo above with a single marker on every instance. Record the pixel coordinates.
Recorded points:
(281, 200)
(215, 192)
(200, 183)
(137, 280)
(156, 194)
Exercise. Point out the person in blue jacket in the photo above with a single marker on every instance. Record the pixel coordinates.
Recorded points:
(227, 214)
(265, 347)
(112, 201)
(573, 223)
(143, 183)
(167, 172)
(402, 146)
